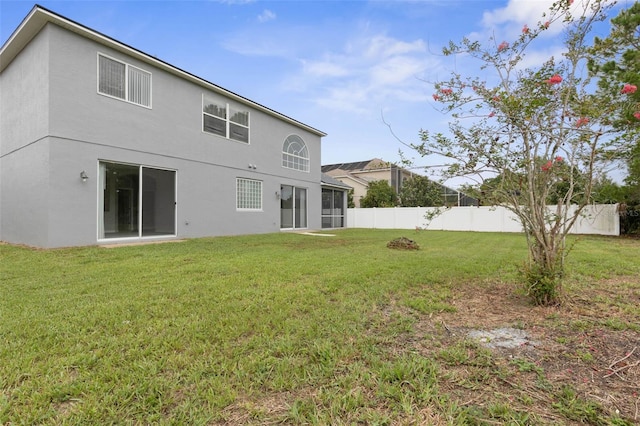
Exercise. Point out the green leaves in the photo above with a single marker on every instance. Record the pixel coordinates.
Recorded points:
(379, 194)
(419, 191)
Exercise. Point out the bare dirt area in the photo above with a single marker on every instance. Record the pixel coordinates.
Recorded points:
(575, 363)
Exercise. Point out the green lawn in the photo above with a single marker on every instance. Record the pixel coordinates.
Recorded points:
(278, 328)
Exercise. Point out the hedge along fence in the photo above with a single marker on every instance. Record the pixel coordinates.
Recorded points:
(601, 219)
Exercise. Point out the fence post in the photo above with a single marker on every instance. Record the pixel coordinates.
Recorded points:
(375, 225)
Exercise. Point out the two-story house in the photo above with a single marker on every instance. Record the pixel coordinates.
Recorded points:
(102, 143)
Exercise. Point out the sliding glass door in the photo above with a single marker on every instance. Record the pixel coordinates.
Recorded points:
(136, 201)
(293, 207)
(158, 202)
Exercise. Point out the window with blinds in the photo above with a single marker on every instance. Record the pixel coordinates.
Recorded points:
(123, 81)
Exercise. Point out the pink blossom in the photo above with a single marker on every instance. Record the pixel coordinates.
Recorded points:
(570, 2)
(558, 159)
(637, 115)
(491, 114)
(525, 29)
(582, 121)
(547, 166)
(503, 46)
(628, 88)
(496, 98)
(436, 97)
(555, 79)
(546, 24)
(446, 91)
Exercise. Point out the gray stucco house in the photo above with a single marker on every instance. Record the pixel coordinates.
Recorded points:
(102, 143)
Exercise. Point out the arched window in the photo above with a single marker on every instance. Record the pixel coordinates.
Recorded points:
(295, 154)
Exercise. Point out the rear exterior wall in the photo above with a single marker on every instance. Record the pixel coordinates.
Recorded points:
(84, 128)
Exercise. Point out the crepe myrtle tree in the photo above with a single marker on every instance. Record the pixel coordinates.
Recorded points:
(541, 134)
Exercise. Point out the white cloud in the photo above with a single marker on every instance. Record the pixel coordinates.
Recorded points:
(383, 47)
(534, 58)
(248, 44)
(266, 15)
(517, 11)
(324, 68)
(396, 70)
(367, 75)
(360, 72)
(509, 20)
(351, 96)
(286, 41)
(506, 23)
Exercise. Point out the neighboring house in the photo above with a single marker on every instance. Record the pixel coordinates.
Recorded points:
(102, 143)
(360, 173)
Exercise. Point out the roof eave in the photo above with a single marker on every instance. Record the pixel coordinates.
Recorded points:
(330, 185)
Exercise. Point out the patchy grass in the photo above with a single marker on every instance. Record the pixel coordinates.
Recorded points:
(295, 329)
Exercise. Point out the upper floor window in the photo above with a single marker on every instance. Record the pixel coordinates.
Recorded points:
(123, 81)
(220, 118)
(294, 154)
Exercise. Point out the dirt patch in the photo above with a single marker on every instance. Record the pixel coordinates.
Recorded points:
(245, 411)
(403, 243)
(504, 337)
(539, 355)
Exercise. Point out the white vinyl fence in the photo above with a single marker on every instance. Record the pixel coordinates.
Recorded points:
(602, 219)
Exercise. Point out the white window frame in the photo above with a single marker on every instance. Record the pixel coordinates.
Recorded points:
(127, 67)
(249, 198)
(100, 184)
(288, 157)
(230, 111)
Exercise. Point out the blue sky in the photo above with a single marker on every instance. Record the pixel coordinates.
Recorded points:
(339, 66)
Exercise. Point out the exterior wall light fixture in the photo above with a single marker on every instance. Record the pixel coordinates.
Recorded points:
(84, 176)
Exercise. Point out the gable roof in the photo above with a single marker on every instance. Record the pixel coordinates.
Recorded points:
(40, 16)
